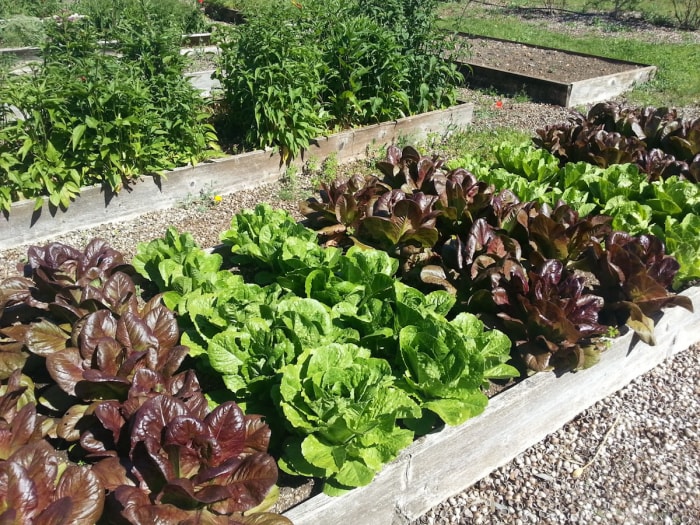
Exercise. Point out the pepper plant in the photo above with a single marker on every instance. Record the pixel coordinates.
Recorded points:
(294, 73)
(110, 120)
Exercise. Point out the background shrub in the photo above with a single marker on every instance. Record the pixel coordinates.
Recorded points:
(186, 16)
(21, 31)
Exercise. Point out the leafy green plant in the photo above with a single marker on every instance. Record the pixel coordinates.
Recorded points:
(110, 121)
(681, 238)
(330, 65)
(272, 83)
(36, 8)
(344, 407)
(320, 304)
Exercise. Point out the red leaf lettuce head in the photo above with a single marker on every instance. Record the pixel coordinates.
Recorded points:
(215, 464)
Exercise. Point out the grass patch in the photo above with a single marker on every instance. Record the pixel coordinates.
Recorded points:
(607, 12)
(477, 142)
(677, 81)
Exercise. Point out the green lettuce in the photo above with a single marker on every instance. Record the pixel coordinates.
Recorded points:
(344, 408)
(683, 241)
(446, 363)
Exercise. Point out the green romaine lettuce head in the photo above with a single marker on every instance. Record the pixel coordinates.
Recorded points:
(250, 356)
(256, 236)
(343, 407)
(629, 216)
(683, 242)
(446, 363)
(533, 163)
(675, 197)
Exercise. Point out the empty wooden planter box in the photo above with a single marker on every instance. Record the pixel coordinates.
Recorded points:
(548, 75)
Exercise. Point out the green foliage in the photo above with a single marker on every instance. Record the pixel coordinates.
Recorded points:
(21, 31)
(110, 17)
(292, 74)
(681, 237)
(272, 80)
(108, 121)
(36, 8)
(321, 345)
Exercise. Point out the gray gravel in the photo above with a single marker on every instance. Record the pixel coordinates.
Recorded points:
(633, 458)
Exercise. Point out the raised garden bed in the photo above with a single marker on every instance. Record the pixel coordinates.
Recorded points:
(442, 464)
(98, 204)
(548, 75)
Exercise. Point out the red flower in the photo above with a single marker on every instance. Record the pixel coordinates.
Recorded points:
(499, 104)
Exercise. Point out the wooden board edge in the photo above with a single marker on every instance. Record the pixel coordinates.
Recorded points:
(98, 205)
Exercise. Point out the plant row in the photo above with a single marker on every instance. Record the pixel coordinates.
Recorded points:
(554, 280)
(101, 421)
(295, 71)
(346, 363)
(657, 140)
(669, 207)
(22, 22)
(290, 74)
(87, 116)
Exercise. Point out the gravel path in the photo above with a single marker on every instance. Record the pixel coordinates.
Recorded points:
(642, 448)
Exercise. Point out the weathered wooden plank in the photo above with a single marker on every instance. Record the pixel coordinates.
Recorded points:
(443, 464)
(599, 89)
(99, 205)
(538, 89)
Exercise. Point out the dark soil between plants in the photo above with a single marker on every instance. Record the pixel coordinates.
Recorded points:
(550, 64)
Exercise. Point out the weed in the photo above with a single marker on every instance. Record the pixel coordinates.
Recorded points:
(289, 184)
(327, 172)
(330, 166)
(311, 165)
(374, 152)
(201, 201)
(521, 96)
